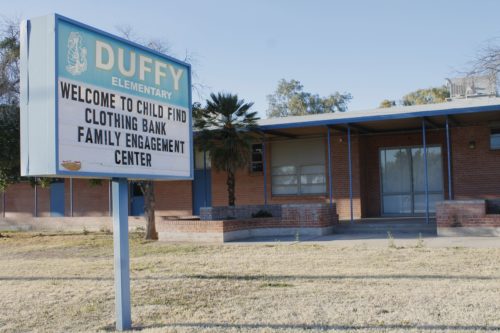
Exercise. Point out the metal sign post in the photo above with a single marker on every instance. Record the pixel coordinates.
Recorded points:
(121, 254)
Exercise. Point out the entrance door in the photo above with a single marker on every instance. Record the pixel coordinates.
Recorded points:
(403, 179)
(202, 192)
(136, 200)
(202, 182)
(57, 198)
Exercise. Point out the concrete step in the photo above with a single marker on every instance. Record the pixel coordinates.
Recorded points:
(383, 228)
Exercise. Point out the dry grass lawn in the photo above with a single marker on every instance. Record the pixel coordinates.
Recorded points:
(64, 283)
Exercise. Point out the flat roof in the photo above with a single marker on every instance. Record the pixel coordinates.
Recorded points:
(457, 107)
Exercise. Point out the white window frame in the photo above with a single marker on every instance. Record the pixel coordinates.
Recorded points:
(298, 180)
(253, 162)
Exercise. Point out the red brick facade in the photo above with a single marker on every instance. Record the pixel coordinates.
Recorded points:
(475, 175)
(294, 218)
(476, 172)
(173, 198)
(466, 217)
(88, 199)
(20, 201)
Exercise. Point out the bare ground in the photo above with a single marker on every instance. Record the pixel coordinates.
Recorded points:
(64, 283)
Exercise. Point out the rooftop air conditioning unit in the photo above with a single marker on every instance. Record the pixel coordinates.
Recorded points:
(472, 86)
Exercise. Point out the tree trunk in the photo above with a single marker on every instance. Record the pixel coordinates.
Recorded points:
(230, 187)
(149, 209)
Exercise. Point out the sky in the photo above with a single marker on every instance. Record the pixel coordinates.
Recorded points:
(371, 49)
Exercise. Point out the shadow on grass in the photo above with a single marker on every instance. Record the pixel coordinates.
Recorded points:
(303, 239)
(259, 277)
(326, 327)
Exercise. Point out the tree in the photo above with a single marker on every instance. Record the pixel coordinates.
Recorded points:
(9, 145)
(9, 105)
(420, 96)
(487, 64)
(9, 63)
(225, 128)
(387, 104)
(426, 96)
(148, 190)
(487, 61)
(9, 108)
(290, 99)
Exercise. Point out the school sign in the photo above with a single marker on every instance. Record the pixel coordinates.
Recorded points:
(95, 105)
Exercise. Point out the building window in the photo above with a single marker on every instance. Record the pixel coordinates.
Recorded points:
(495, 138)
(298, 180)
(201, 160)
(312, 179)
(285, 180)
(298, 167)
(257, 164)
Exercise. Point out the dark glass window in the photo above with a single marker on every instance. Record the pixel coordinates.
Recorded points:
(257, 164)
(495, 138)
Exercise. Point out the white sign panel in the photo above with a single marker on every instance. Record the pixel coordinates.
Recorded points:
(120, 110)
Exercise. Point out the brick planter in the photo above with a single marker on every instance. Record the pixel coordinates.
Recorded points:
(290, 220)
(466, 218)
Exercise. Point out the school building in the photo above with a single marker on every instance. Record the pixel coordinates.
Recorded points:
(435, 161)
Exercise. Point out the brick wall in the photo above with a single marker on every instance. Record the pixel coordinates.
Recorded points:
(250, 186)
(289, 215)
(20, 200)
(43, 205)
(340, 175)
(365, 174)
(294, 217)
(189, 226)
(465, 213)
(173, 198)
(476, 172)
(88, 200)
(309, 215)
(370, 159)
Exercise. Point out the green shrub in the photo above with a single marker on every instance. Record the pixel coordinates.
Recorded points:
(262, 213)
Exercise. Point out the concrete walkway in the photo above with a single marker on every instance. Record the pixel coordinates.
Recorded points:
(378, 241)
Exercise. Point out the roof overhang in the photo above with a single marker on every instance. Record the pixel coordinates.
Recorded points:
(386, 120)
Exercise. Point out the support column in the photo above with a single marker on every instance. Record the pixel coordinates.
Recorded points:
(3, 203)
(35, 213)
(448, 153)
(121, 254)
(350, 171)
(205, 192)
(426, 172)
(330, 187)
(264, 169)
(71, 197)
(110, 199)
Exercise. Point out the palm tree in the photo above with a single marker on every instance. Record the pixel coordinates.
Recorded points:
(225, 127)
